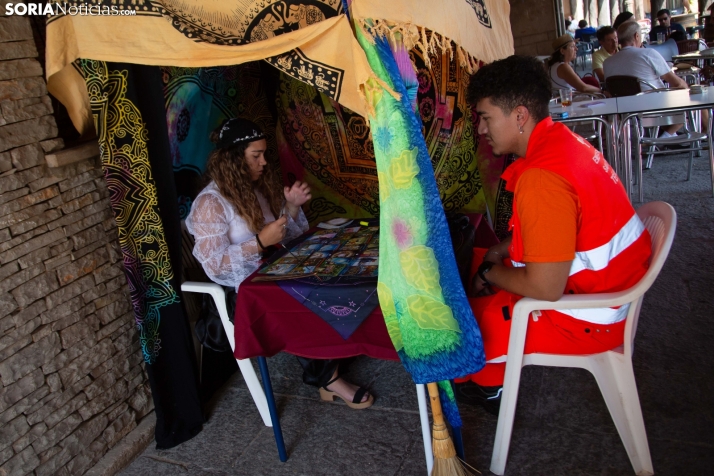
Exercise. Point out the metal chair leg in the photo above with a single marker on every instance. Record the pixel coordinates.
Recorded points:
(277, 430)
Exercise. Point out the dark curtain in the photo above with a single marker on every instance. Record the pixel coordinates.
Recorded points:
(128, 106)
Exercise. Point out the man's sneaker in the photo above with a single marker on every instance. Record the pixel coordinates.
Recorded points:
(473, 394)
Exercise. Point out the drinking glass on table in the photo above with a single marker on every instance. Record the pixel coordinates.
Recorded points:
(660, 38)
(566, 97)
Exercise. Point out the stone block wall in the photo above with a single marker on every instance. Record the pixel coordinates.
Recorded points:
(72, 383)
(533, 23)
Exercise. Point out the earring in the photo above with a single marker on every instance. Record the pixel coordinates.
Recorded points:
(520, 129)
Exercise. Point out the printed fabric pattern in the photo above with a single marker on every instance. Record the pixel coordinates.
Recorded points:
(123, 148)
(423, 301)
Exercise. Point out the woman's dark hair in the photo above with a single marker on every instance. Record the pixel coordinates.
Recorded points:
(603, 32)
(512, 82)
(556, 57)
(622, 18)
(228, 168)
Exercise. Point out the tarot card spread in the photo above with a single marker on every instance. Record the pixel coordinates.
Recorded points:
(331, 272)
(327, 254)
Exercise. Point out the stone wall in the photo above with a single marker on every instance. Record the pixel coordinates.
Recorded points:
(533, 23)
(72, 383)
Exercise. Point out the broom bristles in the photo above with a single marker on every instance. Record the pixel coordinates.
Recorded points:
(446, 463)
(450, 467)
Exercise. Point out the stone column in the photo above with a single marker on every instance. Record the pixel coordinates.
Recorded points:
(72, 383)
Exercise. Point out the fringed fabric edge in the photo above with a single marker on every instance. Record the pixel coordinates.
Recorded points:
(416, 36)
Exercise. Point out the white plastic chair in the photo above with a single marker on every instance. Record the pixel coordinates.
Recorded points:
(246, 368)
(612, 369)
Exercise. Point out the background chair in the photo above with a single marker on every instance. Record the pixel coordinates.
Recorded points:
(647, 129)
(666, 49)
(612, 369)
(687, 46)
(584, 49)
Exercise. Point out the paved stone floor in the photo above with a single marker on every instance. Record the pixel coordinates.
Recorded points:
(562, 425)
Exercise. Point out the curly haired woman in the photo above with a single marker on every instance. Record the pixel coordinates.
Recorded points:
(233, 221)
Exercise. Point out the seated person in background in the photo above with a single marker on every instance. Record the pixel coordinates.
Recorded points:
(584, 32)
(573, 229)
(642, 63)
(666, 26)
(237, 216)
(607, 37)
(562, 75)
(622, 18)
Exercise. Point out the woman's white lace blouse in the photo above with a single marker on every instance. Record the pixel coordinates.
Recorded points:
(225, 246)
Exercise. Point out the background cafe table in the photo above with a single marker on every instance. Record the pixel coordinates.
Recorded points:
(706, 56)
(663, 102)
(603, 111)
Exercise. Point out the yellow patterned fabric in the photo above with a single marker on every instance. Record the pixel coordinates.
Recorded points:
(299, 38)
(480, 27)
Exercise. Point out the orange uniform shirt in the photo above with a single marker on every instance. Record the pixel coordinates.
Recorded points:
(548, 208)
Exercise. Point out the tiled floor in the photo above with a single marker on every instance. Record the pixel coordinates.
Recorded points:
(562, 425)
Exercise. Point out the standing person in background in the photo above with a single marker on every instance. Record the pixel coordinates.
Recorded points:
(562, 75)
(607, 37)
(666, 26)
(584, 32)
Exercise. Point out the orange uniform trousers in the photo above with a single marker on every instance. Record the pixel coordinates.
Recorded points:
(552, 333)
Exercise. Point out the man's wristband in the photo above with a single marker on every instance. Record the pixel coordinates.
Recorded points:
(483, 269)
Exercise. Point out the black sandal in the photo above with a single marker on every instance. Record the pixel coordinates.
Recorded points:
(356, 403)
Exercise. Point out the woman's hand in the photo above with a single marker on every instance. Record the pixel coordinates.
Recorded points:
(274, 232)
(296, 196)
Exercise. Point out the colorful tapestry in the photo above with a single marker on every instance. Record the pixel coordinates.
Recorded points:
(333, 148)
(423, 301)
(197, 101)
(127, 106)
(123, 144)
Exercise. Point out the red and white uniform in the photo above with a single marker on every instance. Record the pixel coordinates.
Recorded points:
(612, 250)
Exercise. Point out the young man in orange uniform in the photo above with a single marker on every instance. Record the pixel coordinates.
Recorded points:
(573, 229)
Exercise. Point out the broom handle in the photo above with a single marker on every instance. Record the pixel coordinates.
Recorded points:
(436, 412)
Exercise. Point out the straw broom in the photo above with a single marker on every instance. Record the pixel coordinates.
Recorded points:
(446, 463)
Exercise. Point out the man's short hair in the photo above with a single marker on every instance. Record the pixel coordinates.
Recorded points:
(603, 32)
(626, 32)
(662, 12)
(512, 82)
(582, 24)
